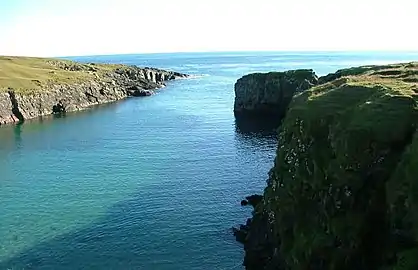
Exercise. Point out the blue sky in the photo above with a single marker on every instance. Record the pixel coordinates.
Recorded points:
(85, 27)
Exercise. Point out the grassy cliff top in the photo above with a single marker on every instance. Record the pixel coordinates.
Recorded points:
(407, 72)
(371, 81)
(344, 187)
(27, 74)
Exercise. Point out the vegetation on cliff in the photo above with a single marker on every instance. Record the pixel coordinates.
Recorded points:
(343, 191)
(269, 94)
(27, 74)
(30, 75)
(32, 87)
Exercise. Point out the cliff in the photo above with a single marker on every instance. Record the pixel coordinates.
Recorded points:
(269, 94)
(343, 191)
(33, 87)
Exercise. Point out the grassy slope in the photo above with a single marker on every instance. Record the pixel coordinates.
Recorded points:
(345, 172)
(26, 74)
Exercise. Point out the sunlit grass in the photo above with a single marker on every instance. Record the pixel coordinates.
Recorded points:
(27, 74)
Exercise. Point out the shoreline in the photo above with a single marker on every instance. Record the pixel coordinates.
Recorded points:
(340, 194)
(67, 86)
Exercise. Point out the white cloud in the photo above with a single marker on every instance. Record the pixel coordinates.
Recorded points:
(76, 27)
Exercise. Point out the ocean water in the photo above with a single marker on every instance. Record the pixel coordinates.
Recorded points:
(145, 183)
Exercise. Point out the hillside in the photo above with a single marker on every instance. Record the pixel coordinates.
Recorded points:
(342, 192)
(33, 87)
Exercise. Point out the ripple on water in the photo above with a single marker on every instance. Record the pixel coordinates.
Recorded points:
(151, 183)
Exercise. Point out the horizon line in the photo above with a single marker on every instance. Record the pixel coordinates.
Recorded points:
(242, 51)
(220, 52)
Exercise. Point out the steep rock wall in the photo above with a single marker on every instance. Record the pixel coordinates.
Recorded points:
(269, 94)
(342, 192)
(57, 98)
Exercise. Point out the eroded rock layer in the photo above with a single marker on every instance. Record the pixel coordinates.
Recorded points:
(56, 86)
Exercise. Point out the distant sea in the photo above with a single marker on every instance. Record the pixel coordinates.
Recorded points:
(145, 183)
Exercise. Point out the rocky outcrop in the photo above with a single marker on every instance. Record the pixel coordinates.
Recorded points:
(104, 84)
(6, 114)
(137, 91)
(269, 94)
(252, 200)
(256, 236)
(342, 192)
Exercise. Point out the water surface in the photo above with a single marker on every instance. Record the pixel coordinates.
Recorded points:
(145, 183)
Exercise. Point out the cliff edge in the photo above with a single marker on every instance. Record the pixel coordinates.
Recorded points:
(269, 94)
(33, 87)
(343, 190)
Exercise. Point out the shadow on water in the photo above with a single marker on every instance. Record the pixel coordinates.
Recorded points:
(98, 108)
(13, 135)
(114, 242)
(18, 133)
(256, 135)
(130, 235)
(103, 245)
(256, 126)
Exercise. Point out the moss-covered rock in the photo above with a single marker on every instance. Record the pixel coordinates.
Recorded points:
(269, 94)
(343, 193)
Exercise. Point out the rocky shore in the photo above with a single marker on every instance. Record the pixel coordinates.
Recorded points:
(342, 192)
(33, 87)
(269, 94)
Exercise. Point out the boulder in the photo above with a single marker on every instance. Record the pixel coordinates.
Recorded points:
(240, 235)
(254, 200)
(58, 108)
(139, 92)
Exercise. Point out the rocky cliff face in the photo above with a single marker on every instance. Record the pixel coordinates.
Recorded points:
(104, 85)
(269, 94)
(342, 193)
(6, 115)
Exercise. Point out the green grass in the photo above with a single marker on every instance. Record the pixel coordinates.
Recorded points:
(346, 170)
(27, 74)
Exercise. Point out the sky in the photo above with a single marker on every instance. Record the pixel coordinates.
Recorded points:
(97, 27)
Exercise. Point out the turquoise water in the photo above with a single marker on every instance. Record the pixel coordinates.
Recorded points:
(145, 183)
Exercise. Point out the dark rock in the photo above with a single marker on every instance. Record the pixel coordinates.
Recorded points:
(254, 200)
(135, 88)
(58, 108)
(91, 97)
(15, 106)
(244, 203)
(140, 93)
(244, 228)
(240, 235)
(137, 91)
(256, 235)
(259, 244)
(269, 94)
